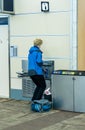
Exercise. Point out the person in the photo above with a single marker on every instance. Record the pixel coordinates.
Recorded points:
(35, 70)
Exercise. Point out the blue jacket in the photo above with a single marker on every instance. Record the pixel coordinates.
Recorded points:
(35, 61)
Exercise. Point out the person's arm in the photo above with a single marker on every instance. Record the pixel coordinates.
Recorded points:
(39, 59)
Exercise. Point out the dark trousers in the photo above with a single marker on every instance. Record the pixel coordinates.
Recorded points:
(40, 86)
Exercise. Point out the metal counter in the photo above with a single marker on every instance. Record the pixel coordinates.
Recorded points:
(68, 92)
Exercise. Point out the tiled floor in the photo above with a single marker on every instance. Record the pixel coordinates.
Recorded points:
(16, 115)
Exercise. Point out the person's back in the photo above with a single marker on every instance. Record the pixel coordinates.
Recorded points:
(35, 69)
(35, 61)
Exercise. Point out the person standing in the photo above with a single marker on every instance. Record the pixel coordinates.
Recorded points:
(35, 70)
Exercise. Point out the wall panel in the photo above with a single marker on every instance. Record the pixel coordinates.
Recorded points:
(52, 47)
(30, 6)
(39, 24)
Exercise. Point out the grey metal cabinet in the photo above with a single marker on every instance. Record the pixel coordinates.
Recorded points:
(68, 92)
(79, 93)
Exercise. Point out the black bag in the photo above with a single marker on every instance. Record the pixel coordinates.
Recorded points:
(48, 97)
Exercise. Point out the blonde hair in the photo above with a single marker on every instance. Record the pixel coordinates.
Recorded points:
(38, 42)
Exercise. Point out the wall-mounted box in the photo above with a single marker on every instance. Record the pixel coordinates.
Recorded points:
(7, 6)
(13, 51)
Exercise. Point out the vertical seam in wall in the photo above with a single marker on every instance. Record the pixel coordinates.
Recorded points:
(74, 34)
(71, 30)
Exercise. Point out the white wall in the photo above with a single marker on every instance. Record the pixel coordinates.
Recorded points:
(55, 28)
(4, 58)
